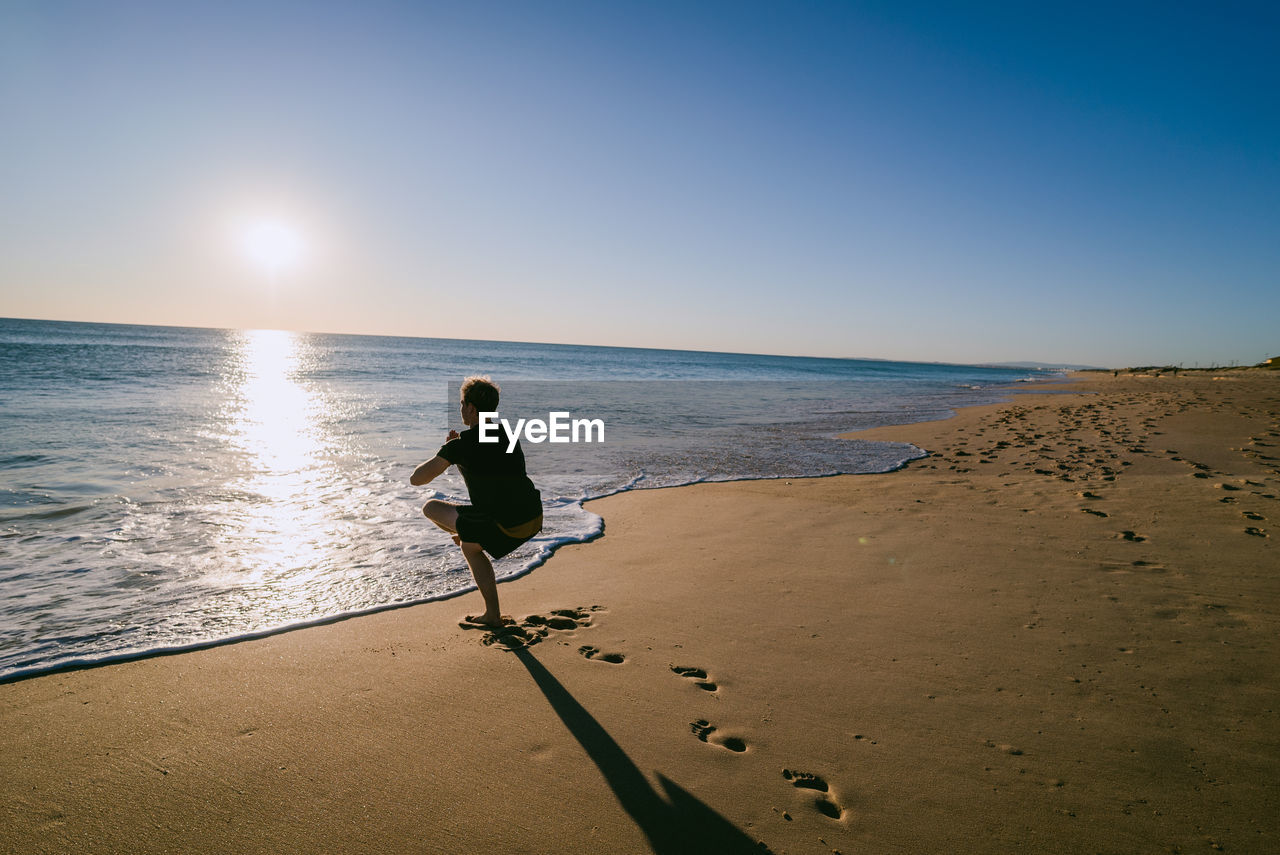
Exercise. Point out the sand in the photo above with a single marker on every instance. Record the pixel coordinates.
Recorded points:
(1057, 633)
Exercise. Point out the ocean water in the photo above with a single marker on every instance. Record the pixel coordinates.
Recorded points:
(164, 488)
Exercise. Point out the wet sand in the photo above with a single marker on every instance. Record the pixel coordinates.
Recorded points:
(1057, 633)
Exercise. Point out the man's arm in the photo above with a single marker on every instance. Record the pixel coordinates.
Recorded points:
(429, 471)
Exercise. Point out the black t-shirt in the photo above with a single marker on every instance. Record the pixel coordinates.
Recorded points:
(496, 480)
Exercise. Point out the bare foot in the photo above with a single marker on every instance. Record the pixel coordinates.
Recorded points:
(486, 620)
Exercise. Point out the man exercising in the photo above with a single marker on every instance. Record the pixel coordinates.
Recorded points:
(505, 509)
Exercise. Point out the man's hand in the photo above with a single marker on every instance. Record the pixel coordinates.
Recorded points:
(453, 434)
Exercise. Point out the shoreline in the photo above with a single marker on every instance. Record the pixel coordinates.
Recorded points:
(979, 652)
(547, 552)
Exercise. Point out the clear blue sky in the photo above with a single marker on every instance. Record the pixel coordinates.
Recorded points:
(1092, 183)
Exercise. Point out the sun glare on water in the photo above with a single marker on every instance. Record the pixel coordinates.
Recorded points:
(280, 533)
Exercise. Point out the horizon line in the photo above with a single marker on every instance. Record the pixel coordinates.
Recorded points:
(1006, 364)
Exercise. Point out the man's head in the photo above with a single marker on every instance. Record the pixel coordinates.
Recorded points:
(480, 394)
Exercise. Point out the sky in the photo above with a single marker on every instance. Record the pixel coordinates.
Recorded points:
(1089, 183)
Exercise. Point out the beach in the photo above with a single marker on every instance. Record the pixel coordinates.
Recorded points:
(1055, 633)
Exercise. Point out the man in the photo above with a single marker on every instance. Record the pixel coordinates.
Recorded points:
(505, 509)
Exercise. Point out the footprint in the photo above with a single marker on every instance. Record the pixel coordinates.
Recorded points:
(825, 803)
(1131, 537)
(534, 628)
(1250, 515)
(1094, 512)
(806, 781)
(706, 732)
(562, 618)
(513, 637)
(1256, 532)
(697, 674)
(594, 653)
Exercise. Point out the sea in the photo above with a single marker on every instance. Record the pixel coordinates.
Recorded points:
(168, 488)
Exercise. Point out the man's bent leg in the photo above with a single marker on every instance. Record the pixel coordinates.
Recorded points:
(482, 572)
(443, 514)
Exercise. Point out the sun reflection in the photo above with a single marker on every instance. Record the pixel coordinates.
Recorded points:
(274, 423)
(278, 533)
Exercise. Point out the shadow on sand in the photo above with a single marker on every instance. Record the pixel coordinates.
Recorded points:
(674, 821)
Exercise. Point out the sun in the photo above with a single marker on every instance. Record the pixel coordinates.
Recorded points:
(272, 245)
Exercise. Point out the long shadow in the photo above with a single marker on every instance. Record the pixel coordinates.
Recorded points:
(674, 821)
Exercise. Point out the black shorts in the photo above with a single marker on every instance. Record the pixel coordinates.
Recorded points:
(478, 527)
